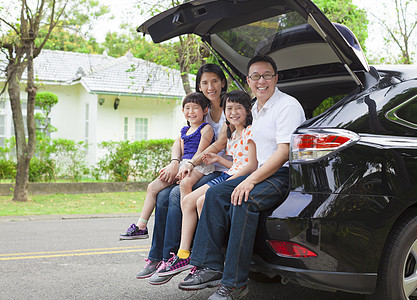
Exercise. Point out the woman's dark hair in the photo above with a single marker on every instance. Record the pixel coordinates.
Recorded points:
(197, 98)
(210, 68)
(240, 97)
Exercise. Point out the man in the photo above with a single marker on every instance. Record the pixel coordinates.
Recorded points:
(233, 206)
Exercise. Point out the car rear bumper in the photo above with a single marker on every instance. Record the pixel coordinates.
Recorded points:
(361, 283)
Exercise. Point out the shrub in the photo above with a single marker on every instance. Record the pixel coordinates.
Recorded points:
(41, 170)
(139, 160)
(70, 159)
(7, 169)
(150, 156)
(61, 158)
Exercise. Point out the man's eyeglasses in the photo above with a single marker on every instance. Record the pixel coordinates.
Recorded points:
(256, 77)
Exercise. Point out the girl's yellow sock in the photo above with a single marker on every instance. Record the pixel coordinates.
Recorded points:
(183, 254)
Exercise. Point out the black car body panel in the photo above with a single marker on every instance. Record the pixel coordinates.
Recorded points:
(344, 205)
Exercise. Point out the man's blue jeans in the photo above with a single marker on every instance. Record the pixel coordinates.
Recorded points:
(168, 219)
(219, 217)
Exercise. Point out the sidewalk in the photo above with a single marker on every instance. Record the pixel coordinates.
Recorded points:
(65, 217)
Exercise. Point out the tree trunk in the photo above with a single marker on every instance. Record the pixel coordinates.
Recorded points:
(20, 54)
(24, 149)
(184, 68)
(186, 82)
(22, 176)
(22, 180)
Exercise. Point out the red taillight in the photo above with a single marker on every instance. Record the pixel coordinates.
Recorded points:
(308, 145)
(291, 249)
(305, 141)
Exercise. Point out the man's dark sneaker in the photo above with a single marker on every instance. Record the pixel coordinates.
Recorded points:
(227, 293)
(133, 232)
(149, 269)
(175, 265)
(156, 279)
(200, 278)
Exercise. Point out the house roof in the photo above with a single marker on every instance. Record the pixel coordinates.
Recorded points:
(103, 74)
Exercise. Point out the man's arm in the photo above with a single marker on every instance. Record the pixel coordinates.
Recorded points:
(275, 161)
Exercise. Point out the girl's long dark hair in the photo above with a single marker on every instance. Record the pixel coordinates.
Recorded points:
(210, 68)
(240, 97)
(197, 98)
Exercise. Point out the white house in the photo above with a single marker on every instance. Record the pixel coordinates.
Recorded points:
(102, 98)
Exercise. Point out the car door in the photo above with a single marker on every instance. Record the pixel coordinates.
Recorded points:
(295, 32)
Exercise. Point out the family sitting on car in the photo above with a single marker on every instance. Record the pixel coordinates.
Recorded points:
(228, 206)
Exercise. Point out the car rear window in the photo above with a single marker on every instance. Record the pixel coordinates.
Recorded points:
(259, 37)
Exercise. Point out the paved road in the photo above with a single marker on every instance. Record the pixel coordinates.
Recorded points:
(83, 259)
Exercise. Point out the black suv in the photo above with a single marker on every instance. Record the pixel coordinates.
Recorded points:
(350, 219)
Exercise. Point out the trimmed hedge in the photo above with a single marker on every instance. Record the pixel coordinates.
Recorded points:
(139, 160)
(66, 159)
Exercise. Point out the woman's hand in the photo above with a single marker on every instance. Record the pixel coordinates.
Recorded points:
(241, 192)
(185, 171)
(170, 172)
(210, 158)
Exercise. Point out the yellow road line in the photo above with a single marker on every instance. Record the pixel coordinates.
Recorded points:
(15, 256)
(72, 254)
(76, 250)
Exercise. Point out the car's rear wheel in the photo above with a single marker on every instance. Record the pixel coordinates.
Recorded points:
(397, 277)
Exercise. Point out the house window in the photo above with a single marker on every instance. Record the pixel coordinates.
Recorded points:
(141, 129)
(126, 128)
(87, 113)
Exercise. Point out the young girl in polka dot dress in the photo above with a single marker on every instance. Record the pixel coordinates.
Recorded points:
(237, 108)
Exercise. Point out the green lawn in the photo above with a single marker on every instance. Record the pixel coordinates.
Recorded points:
(65, 204)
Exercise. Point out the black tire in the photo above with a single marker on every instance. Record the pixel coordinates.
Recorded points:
(397, 276)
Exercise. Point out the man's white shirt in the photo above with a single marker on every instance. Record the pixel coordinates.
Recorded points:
(274, 123)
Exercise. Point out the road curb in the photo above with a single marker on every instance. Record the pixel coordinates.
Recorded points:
(45, 188)
(64, 217)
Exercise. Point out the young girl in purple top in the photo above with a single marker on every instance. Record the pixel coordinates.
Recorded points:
(237, 108)
(195, 137)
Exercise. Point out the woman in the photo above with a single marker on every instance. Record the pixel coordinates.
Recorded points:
(211, 82)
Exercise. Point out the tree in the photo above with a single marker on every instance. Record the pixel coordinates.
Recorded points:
(190, 51)
(400, 23)
(346, 13)
(21, 45)
(45, 101)
(74, 31)
(63, 40)
(117, 45)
